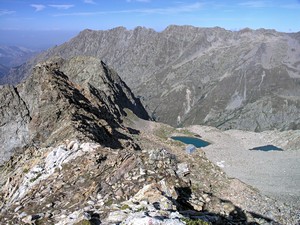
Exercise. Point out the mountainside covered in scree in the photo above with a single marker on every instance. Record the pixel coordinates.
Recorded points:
(77, 148)
(186, 75)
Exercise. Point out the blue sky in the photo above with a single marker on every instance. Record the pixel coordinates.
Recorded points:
(75, 15)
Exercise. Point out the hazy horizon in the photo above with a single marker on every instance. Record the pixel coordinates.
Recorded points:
(35, 40)
(43, 39)
(43, 24)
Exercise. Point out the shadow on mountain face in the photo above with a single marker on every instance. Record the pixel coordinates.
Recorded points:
(98, 133)
(138, 109)
(61, 109)
(235, 216)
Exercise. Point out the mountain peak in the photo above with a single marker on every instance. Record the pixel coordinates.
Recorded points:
(194, 68)
(78, 98)
(77, 146)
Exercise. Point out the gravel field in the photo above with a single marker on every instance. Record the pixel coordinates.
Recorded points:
(274, 173)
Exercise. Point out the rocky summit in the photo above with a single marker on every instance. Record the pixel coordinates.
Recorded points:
(79, 148)
(79, 98)
(247, 79)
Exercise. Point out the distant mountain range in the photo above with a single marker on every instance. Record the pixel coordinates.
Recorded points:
(185, 75)
(77, 146)
(11, 56)
(3, 70)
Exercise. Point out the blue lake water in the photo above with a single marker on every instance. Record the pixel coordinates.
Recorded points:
(197, 142)
(267, 148)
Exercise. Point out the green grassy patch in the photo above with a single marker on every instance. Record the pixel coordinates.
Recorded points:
(186, 132)
(35, 178)
(164, 132)
(25, 170)
(124, 207)
(108, 202)
(83, 222)
(195, 222)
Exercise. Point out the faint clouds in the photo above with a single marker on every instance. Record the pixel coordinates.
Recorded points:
(182, 8)
(177, 9)
(254, 4)
(38, 7)
(264, 4)
(62, 6)
(138, 0)
(89, 1)
(291, 6)
(4, 12)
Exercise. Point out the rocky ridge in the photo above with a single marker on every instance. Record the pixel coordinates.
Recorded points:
(246, 80)
(50, 106)
(86, 183)
(85, 156)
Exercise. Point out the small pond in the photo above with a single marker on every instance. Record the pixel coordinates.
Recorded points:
(197, 142)
(267, 148)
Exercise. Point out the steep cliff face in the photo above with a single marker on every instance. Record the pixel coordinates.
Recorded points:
(111, 88)
(186, 75)
(13, 123)
(61, 100)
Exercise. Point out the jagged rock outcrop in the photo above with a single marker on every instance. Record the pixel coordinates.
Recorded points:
(247, 79)
(50, 106)
(14, 120)
(86, 183)
(106, 83)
